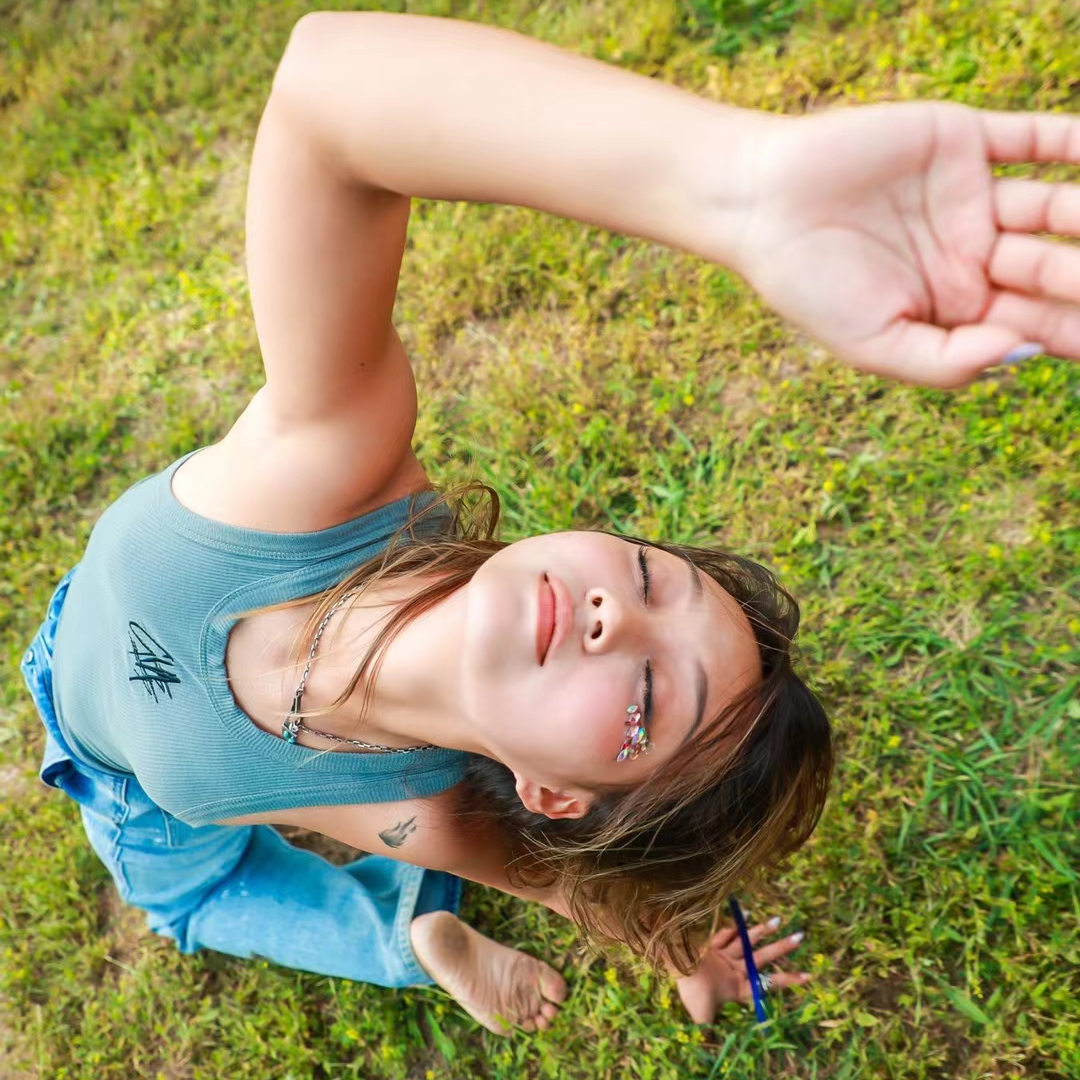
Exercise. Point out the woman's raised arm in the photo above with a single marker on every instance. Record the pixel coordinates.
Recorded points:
(881, 231)
(368, 110)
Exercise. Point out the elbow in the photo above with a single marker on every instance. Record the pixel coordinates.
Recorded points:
(325, 77)
(309, 38)
(316, 75)
(323, 42)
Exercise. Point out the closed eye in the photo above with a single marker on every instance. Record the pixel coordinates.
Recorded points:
(647, 695)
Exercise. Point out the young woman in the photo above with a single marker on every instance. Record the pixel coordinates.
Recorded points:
(290, 627)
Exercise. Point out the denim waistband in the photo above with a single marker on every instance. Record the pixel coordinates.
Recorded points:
(36, 666)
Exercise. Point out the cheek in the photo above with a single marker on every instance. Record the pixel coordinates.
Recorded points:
(590, 715)
(568, 729)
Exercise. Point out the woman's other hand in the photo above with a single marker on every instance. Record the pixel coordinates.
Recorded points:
(722, 975)
(881, 231)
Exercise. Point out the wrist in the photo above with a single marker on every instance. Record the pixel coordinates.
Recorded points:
(721, 169)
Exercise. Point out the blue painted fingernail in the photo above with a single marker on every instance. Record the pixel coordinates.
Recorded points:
(1023, 352)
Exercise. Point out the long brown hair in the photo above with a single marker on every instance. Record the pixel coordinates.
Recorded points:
(650, 864)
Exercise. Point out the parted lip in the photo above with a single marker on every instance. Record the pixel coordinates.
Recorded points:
(545, 619)
(554, 616)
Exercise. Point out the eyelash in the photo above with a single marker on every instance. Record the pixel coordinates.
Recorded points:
(643, 562)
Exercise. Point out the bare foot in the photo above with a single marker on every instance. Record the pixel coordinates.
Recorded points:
(499, 987)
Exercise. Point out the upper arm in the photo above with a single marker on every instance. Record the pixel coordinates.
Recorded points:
(323, 255)
(426, 832)
(330, 434)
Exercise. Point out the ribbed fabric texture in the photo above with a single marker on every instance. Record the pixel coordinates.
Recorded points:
(139, 669)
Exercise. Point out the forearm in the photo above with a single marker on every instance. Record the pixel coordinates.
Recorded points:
(446, 109)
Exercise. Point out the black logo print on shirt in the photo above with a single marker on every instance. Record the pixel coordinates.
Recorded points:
(153, 664)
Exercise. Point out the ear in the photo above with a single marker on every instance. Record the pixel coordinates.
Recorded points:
(549, 802)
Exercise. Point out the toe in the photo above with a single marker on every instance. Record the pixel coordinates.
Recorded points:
(553, 985)
(549, 1011)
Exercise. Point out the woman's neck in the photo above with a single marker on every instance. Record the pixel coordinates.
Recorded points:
(416, 697)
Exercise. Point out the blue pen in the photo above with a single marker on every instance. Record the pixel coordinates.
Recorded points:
(748, 955)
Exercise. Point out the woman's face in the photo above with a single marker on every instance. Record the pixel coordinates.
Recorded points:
(564, 631)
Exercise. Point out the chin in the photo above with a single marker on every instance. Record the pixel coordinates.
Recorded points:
(499, 635)
(488, 651)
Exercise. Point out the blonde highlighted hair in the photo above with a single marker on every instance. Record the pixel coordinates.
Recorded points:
(654, 863)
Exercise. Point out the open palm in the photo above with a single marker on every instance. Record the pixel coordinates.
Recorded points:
(722, 976)
(883, 233)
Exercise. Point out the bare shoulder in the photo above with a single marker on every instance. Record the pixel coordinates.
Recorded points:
(304, 476)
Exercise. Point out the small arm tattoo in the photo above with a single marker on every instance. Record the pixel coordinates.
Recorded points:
(395, 837)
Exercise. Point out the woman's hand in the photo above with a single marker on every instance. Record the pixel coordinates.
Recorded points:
(722, 974)
(881, 231)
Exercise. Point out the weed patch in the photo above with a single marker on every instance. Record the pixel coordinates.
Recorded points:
(594, 381)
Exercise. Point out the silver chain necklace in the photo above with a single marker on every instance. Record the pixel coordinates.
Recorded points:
(293, 725)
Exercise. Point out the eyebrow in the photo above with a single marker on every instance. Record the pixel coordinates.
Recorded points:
(696, 583)
(698, 589)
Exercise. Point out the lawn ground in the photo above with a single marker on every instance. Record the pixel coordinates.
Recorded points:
(933, 538)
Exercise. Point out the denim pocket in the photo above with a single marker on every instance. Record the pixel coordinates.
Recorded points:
(98, 794)
(142, 822)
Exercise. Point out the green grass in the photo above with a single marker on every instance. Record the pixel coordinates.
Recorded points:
(932, 537)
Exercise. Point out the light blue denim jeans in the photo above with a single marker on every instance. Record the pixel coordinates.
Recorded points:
(241, 890)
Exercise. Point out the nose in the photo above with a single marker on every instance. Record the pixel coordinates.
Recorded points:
(608, 621)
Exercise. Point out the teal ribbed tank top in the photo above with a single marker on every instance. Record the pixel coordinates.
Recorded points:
(139, 668)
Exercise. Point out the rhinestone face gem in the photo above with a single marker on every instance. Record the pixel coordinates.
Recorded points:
(636, 738)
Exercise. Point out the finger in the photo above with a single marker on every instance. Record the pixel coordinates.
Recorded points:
(920, 353)
(781, 980)
(1056, 326)
(755, 933)
(1034, 206)
(1037, 267)
(767, 954)
(722, 938)
(1031, 136)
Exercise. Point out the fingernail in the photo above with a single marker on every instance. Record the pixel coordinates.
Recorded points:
(1023, 352)
(774, 922)
(796, 938)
